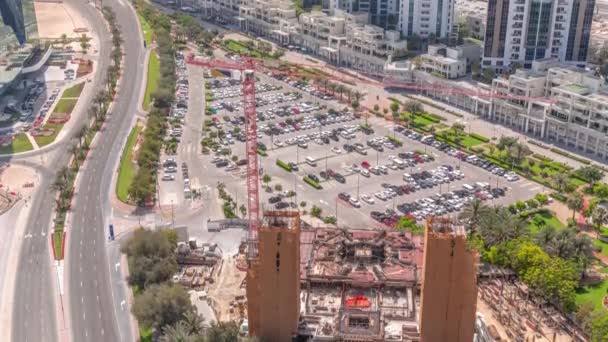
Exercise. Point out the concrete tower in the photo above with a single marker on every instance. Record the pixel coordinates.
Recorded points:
(273, 279)
(449, 288)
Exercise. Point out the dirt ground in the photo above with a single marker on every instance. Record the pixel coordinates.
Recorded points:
(55, 19)
(225, 289)
(19, 179)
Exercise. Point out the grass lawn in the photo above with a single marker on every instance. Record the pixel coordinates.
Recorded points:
(20, 144)
(465, 139)
(73, 92)
(146, 29)
(65, 106)
(421, 121)
(602, 245)
(152, 80)
(548, 219)
(57, 242)
(592, 293)
(145, 334)
(126, 171)
(43, 141)
(241, 49)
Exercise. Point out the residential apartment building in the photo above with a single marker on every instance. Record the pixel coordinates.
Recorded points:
(223, 10)
(521, 31)
(448, 62)
(274, 19)
(426, 18)
(383, 13)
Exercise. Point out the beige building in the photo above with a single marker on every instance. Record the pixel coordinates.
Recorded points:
(443, 61)
(272, 19)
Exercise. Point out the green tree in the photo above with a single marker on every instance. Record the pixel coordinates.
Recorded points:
(488, 75)
(266, 179)
(176, 333)
(599, 216)
(409, 224)
(500, 225)
(162, 305)
(413, 107)
(591, 174)
(472, 213)
(599, 326)
(394, 107)
(316, 211)
(151, 257)
(223, 332)
(575, 203)
(560, 180)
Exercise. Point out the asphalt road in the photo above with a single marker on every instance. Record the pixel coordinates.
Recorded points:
(34, 311)
(94, 304)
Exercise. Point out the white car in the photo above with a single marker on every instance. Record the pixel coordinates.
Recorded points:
(381, 196)
(354, 202)
(367, 199)
(336, 150)
(278, 143)
(168, 177)
(365, 173)
(512, 177)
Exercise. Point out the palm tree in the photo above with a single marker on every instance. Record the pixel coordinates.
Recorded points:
(599, 217)
(560, 180)
(332, 87)
(81, 133)
(413, 107)
(340, 89)
(74, 151)
(545, 236)
(193, 322)
(472, 214)
(176, 333)
(500, 226)
(575, 203)
(582, 248)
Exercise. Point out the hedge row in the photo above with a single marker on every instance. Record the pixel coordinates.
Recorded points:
(479, 137)
(312, 183)
(284, 165)
(262, 152)
(569, 155)
(559, 197)
(432, 117)
(395, 141)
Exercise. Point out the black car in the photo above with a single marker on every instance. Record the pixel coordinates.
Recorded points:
(293, 166)
(222, 163)
(274, 199)
(281, 205)
(348, 147)
(367, 130)
(344, 196)
(338, 177)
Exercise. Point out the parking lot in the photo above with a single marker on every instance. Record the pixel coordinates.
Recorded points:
(366, 180)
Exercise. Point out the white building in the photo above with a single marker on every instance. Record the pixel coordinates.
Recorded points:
(444, 61)
(521, 31)
(426, 17)
(274, 19)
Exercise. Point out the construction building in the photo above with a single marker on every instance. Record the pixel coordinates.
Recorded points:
(449, 287)
(273, 283)
(359, 285)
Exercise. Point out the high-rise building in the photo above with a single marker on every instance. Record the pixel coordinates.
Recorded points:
(420, 17)
(273, 279)
(17, 23)
(449, 286)
(521, 31)
(426, 18)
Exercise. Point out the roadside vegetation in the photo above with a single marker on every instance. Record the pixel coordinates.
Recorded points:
(126, 171)
(142, 189)
(151, 79)
(63, 184)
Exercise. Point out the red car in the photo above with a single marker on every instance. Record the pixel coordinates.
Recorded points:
(365, 164)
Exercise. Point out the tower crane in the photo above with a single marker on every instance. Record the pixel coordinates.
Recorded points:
(247, 66)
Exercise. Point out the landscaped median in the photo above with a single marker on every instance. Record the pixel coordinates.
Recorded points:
(283, 165)
(312, 183)
(126, 171)
(151, 79)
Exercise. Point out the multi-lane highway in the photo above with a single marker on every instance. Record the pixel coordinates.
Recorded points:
(34, 311)
(94, 305)
(94, 308)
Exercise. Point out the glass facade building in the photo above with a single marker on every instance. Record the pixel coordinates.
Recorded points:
(18, 18)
